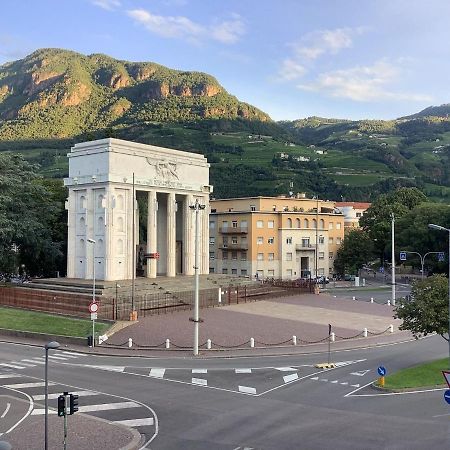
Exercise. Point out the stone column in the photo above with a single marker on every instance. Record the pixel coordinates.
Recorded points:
(109, 233)
(189, 235)
(90, 231)
(71, 206)
(171, 235)
(204, 236)
(152, 244)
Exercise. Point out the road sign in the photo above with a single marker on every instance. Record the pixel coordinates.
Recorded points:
(446, 374)
(93, 316)
(402, 256)
(381, 269)
(447, 396)
(382, 371)
(93, 307)
(441, 256)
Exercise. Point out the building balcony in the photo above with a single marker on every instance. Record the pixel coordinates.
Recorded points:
(233, 230)
(233, 246)
(305, 247)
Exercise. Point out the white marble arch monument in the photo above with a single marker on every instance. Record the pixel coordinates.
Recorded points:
(100, 207)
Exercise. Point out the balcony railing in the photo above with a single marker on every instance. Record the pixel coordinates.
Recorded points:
(233, 246)
(305, 247)
(233, 230)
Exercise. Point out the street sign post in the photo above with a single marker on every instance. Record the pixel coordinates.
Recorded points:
(402, 256)
(382, 372)
(93, 308)
(441, 256)
(446, 374)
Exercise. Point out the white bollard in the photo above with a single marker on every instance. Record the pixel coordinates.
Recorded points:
(219, 295)
(371, 299)
(389, 303)
(332, 337)
(353, 298)
(393, 302)
(252, 342)
(208, 344)
(167, 343)
(365, 332)
(130, 342)
(294, 340)
(391, 328)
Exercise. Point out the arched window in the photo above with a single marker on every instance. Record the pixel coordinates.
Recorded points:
(297, 223)
(100, 249)
(82, 204)
(314, 223)
(322, 224)
(306, 223)
(81, 250)
(100, 199)
(289, 223)
(82, 225)
(101, 225)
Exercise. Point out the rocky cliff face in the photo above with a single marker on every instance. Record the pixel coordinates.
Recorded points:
(75, 92)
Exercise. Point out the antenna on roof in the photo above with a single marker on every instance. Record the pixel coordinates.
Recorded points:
(291, 187)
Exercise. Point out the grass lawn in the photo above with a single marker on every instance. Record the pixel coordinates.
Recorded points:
(17, 319)
(429, 374)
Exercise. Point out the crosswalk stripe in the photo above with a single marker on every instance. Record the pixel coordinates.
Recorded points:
(8, 375)
(53, 396)
(108, 406)
(200, 381)
(13, 366)
(136, 422)
(27, 385)
(243, 370)
(73, 353)
(33, 361)
(41, 411)
(199, 370)
(65, 355)
(26, 364)
(291, 377)
(247, 389)
(285, 369)
(57, 357)
(157, 373)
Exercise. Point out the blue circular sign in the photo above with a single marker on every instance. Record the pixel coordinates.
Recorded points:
(382, 371)
(447, 396)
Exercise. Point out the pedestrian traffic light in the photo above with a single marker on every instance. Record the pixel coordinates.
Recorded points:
(61, 406)
(73, 403)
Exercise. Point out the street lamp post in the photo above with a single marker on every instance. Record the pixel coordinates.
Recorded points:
(93, 242)
(117, 305)
(50, 346)
(438, 227)
(197, 207)
(393, 257)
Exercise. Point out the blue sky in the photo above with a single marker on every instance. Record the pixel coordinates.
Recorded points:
(291, 58)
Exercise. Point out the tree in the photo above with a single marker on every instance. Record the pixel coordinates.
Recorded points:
(377, 219)
(426, 309)
(30, 216)
(356, 250)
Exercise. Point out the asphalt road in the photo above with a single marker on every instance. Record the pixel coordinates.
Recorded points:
(272, 402)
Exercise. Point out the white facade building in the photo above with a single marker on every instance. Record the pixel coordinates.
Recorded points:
(106, 177)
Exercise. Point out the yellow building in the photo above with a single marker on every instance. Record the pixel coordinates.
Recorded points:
(274, 237)
(353, 211)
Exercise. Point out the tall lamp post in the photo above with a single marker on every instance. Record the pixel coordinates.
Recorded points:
(93, 242)
(197, 207)
(393, 257)
(50, 346)
(438, 227)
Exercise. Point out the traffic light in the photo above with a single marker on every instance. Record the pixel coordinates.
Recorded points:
(61, 406)
(73, 403)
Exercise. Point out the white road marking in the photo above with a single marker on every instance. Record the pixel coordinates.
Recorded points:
(157, 373)
(8, 375)
(57, 357)
(324, 379)
(30, 408)
(390, 393)
(67, 355)
(441, 415)
(285, 369)
(136, 422)
(41, 411)
(53, 396)
(199, 370)
(108, 368)
(360, 373)
(26, 364)
(200, 381)
(8, 405)
(12, 366)
(289, 378)
(27, 385)
(247, 389)
(345, 383)
(334, 381)
(73, 353)
(33, 361)
(243, 370)
(355, 385)
(315, 378)
(108, 406)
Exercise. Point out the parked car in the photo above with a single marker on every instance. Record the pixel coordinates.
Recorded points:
(348, 277)
(323, 279)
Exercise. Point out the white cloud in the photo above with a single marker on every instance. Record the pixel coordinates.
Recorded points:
(321, 42)
(227, 32)
(107, 4)
(362, 83)
(291, 70)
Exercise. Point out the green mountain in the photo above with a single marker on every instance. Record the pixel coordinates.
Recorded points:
(55, 93)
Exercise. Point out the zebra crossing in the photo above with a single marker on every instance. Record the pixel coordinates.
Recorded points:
(26, 363)
(115, 409)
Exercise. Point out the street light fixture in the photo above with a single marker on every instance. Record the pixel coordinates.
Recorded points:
(197, 207)
(438, 227)
(50, 346)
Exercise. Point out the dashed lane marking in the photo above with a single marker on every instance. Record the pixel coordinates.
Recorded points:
(285, 369)
(8, 405)
(199, 370)
(289, 378)
(247, 390)
(243, 370)
(157, 373)
(200, 381)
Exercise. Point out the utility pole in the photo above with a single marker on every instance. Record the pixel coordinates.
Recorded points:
(393, 257)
